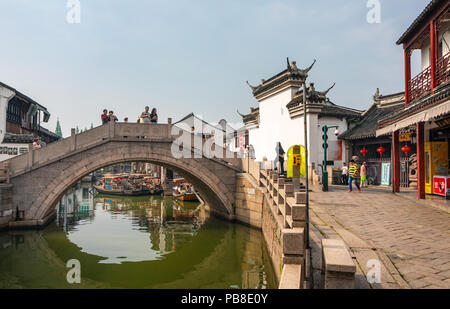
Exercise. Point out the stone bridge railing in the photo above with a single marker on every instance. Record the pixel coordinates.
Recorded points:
(130, 132)
(288, 208)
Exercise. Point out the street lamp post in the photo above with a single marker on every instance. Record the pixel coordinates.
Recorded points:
(303, 74)
(325, 148)
(305, 131)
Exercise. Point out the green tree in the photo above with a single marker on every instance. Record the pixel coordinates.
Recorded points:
(58, 130)
(77, 130)
(92, 126)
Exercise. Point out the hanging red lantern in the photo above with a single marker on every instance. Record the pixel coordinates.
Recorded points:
(364, 151)
(381, 150)
(406, 149)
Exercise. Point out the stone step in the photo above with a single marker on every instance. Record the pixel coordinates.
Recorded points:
(291, 277)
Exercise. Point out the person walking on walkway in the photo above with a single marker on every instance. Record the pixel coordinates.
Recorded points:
(364, 175)
(353, 176)
(344, 175)
(279, 158)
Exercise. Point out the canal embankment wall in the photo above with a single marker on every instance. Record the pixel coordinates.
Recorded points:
(252, 208)
(6, 205)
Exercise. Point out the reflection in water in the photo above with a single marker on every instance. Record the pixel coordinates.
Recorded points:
(135, 242)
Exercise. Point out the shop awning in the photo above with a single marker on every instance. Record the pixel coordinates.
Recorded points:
(423, 116)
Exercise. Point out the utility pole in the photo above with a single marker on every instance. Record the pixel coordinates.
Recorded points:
(305, 130)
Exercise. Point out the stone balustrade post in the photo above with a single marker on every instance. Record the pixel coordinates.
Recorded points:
(298, 210)
(293, 241)
(289, 190)
(112, 129)
(73, 140)
(169, 128)
(30, 157)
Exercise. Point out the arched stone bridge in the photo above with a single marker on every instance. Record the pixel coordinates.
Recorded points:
(41, 177)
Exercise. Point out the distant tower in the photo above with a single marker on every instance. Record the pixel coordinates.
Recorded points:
(58, 129)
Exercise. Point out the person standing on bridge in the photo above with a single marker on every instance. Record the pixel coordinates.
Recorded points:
(154, 116)
(104, 116)
(112, 117)
(145, 116)
(36, 144)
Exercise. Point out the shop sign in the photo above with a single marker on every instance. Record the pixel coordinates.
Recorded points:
(404, 137)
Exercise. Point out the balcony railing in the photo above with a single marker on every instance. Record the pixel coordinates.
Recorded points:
(443, 70)
(421, 84)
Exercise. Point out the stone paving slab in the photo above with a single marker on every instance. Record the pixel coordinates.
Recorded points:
(410, 238)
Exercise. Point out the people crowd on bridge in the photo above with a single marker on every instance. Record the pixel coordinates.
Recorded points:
(145, 117)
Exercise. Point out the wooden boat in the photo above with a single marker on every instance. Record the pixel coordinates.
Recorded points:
(123, 192)
(192, 197)
(126, 185)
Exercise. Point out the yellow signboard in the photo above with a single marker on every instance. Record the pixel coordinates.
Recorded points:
(404, 137)
(296, 160)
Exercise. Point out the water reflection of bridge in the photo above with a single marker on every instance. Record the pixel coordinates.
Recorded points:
(165, 219)
(206, 262)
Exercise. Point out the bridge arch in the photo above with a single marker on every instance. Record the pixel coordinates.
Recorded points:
(214, 179)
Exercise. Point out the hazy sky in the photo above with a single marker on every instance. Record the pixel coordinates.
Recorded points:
(185, 56)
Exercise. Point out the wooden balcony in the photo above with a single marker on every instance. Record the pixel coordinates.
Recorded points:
(421, 84)
(443, 70)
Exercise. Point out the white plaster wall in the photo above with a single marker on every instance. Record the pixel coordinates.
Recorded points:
(332, 138)
(425, 52)
(445, 45)
(425, 56)
(275, 126)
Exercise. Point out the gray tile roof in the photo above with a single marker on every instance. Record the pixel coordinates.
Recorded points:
(368, 125)
(331, 109)
(18, 138)
(420, 19)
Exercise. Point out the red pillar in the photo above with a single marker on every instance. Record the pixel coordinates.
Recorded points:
(395, 162)
(433, 52)
(407, 74)
(420, 159)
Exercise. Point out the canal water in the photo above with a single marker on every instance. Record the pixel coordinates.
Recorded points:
(135, 242)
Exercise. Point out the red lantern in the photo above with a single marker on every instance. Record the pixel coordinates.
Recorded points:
(381, 150)
(406, 149)
(364, 151)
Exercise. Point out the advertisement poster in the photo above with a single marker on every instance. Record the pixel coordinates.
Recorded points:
(439, 185)
(385, 174)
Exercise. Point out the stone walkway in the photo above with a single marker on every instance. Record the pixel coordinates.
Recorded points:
(409, 238)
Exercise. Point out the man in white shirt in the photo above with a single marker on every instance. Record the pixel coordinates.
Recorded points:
(344, 174)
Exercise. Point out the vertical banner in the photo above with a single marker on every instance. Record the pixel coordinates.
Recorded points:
(241, 141)
(385, 174)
